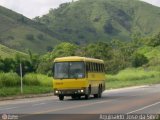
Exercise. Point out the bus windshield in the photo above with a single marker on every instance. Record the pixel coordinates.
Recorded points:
(68, 70)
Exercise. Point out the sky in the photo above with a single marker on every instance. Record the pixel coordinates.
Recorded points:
(33, 8)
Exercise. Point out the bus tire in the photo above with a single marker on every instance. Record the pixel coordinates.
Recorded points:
(79, 97)
(95, 95)
(99, 92)
(61, 97)
(87, 97)
(73, 97)
(89, 92)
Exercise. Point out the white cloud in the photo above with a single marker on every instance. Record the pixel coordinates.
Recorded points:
(153, 2)
(32, 8)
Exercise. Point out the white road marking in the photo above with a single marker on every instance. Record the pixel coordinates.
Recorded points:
(38, 104)
(8, 108)
(144, 108)
(125, 88)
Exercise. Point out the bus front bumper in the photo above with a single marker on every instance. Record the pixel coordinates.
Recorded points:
(69, 92)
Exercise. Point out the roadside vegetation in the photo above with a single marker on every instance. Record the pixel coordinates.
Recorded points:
(126, 64)
(132, 77)
(32, 84)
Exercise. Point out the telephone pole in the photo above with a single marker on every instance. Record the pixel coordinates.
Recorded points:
(21, 78)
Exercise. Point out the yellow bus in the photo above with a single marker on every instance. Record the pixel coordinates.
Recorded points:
(78, 76)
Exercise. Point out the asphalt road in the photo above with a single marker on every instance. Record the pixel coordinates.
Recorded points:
(144, 99)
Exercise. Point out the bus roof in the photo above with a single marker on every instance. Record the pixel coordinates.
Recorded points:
(77, 58)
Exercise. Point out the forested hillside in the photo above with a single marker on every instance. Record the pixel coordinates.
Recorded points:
(87, 21)
(20, 33)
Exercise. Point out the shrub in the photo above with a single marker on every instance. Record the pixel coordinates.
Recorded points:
(34, 79)
(44, 67)
(139, 60)
(45, 80)
(9, 79)
(31, 79)
(30, 37)
(154, 41)
(134, 74)
(40, 36)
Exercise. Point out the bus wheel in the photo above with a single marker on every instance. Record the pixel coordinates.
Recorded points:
(73, 97)
(89, 92)
(95, 95)
(99, 92)
(86, 96)
(61, 97)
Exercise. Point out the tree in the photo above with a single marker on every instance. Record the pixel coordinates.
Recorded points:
(9, 65)
(37, 19)
(139, 60)
(45, 67)
(154, 41)
(2, 65)
(34, 61)
(61, 50)
(98, 50)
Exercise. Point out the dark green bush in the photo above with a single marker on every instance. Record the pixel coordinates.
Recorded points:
(30, 37)
(139, 60)
(154, 41)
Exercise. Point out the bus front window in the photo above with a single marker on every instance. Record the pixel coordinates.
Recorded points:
(61, 70)
(66, 70)
(76, 70)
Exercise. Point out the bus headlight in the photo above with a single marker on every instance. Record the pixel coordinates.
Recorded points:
(82, 91)
(56, 91)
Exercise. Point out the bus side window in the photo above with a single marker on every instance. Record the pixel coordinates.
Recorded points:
(99, 67)
(87, 67)
(94, 67)
(102, 68)
(90, 67)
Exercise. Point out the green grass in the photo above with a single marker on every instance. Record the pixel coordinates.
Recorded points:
(30, 79)
(37, 79)
(132, 77)
(33, 84)
(9, 79)
(13, 91)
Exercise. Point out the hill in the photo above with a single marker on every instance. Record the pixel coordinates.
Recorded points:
(6, 52)
(20, 33)
(86, 21)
